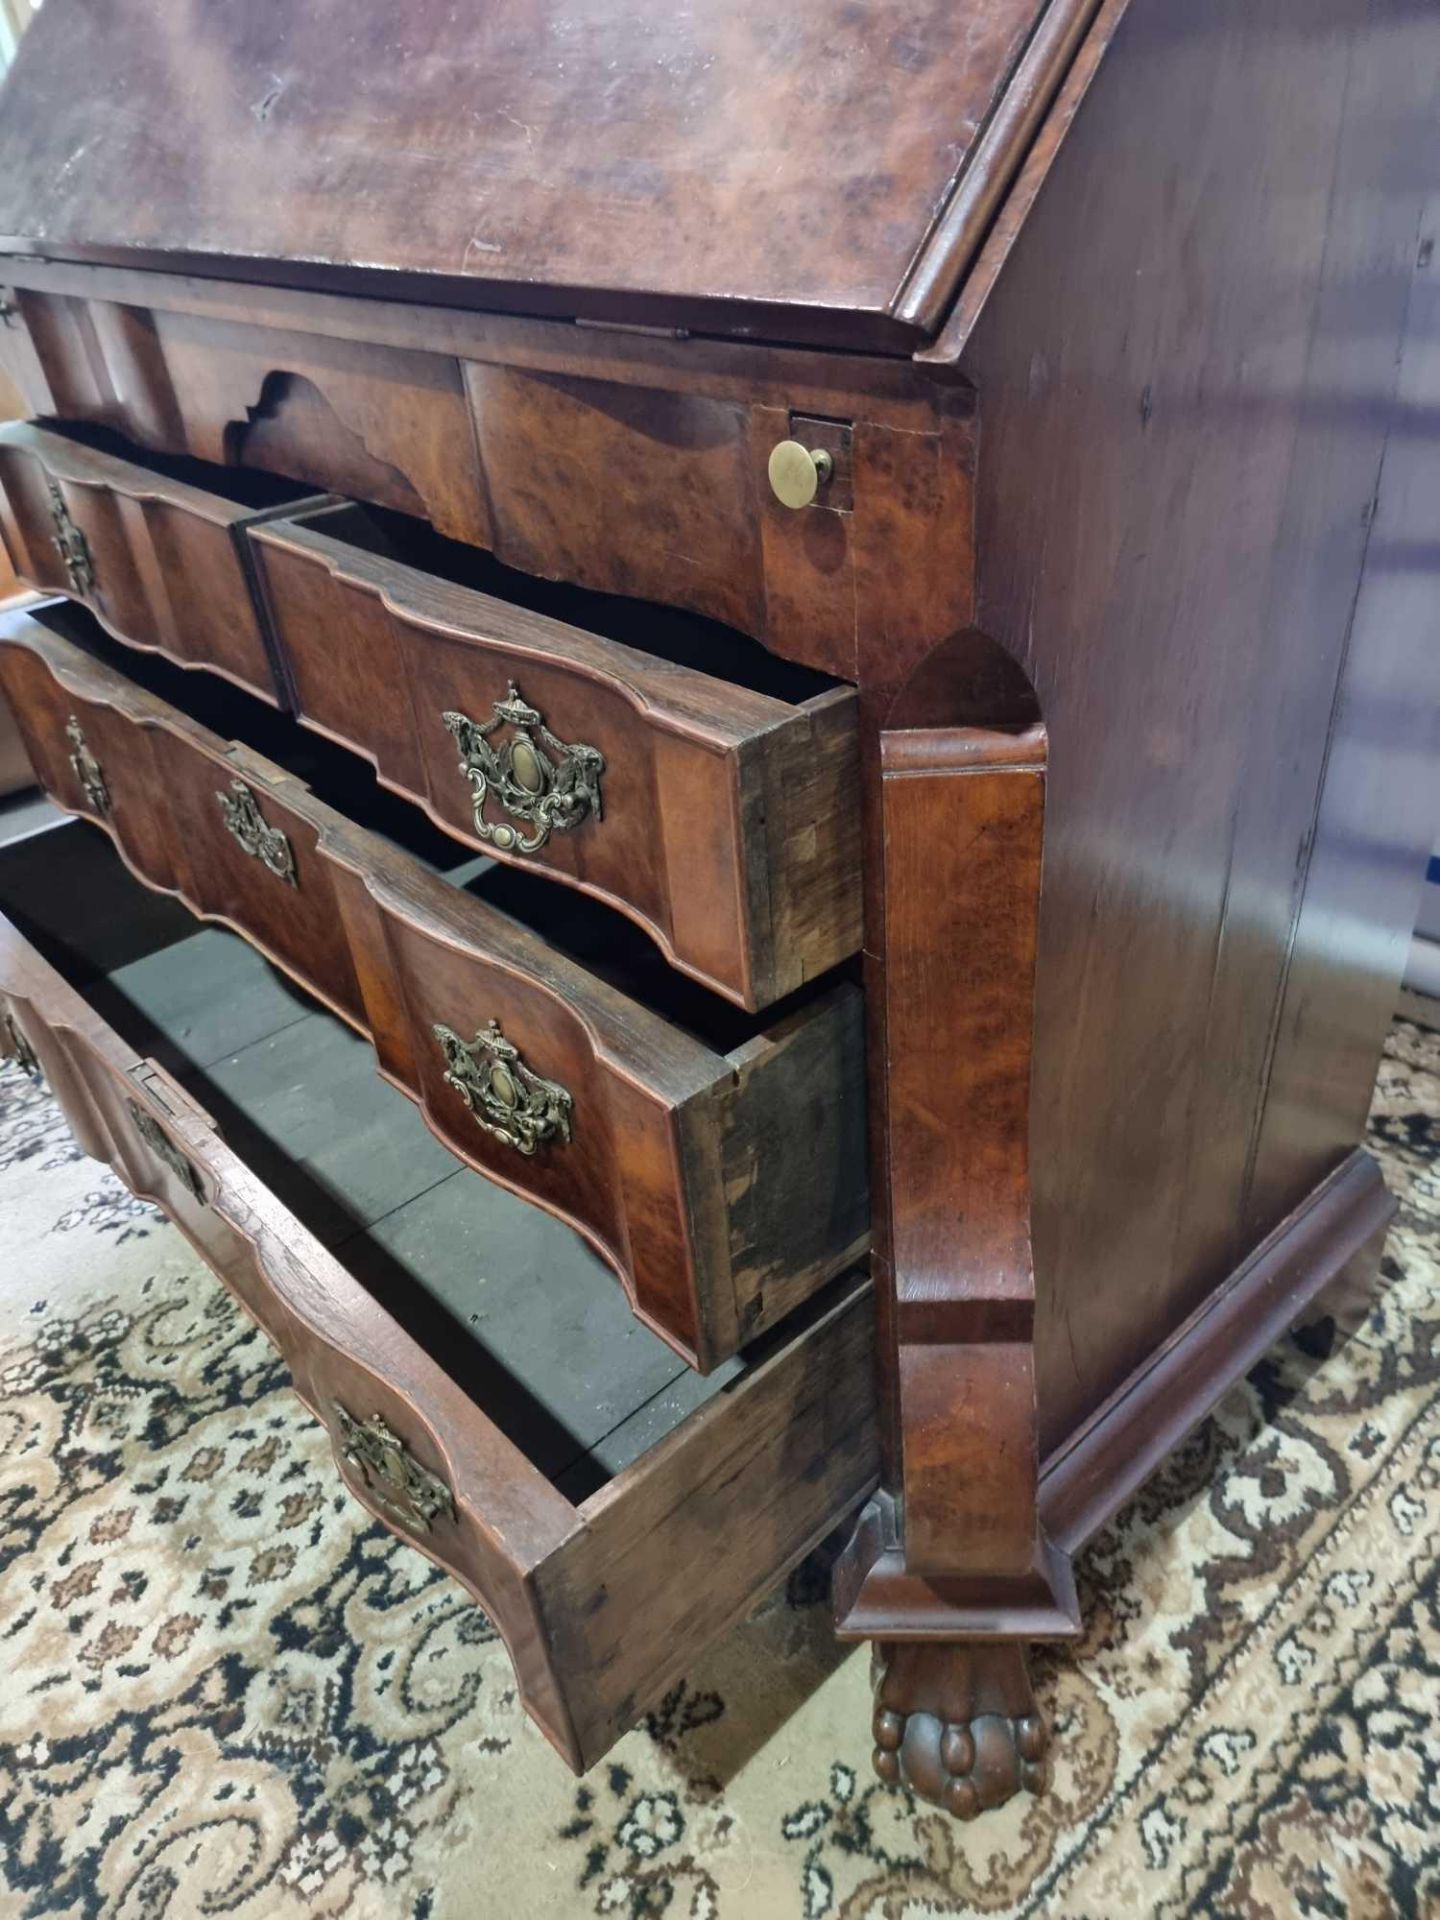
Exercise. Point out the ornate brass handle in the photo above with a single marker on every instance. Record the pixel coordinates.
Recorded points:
(396, 1480)
(165, 1149)
(87, 768)
(19, 1048)
(71, 545)
(535, 777)
(506, 1098)
(262, 842)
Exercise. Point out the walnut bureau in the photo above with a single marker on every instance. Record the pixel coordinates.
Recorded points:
(717, 585)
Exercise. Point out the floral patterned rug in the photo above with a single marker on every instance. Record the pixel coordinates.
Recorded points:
(224, 1692)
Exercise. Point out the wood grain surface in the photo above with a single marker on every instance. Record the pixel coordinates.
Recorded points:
(680, 1168)
(579, 459)
(148, 539)
(639, 160)
(1185, 407)
(594, 1598)
(726, 824)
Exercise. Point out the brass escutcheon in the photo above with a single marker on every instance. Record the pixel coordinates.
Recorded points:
(395, 1478)
(164, 1148)
(71, 545)
(19, 1048)
(535, 777)
(262, 842)
(86, 768)
(506, 1098)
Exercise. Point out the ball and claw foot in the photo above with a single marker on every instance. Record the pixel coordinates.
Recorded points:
(956, 1721)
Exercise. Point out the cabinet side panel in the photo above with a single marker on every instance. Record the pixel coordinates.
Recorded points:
(1380, 800)
(1185, 373)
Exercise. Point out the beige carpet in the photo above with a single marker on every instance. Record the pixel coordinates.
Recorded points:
(223, 1692)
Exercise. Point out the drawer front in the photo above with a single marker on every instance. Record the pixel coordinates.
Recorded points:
(90, 756)
(659, 487)
(15, 770)
(724, 821)
(378, 422)
(501, 1050)
(253, 862)
(158, 561)
(181, 810)
(604, 1602)
(676, 1160)
(421, 1456)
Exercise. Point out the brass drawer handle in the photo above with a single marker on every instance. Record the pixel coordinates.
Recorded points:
(165, 1149)
(395, 1478)
(87, 768)
(71, 545)
(19, 1048)
(535, 777)
(506, 1098)
(262, 842)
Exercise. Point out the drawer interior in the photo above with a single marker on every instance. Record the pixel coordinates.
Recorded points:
(604, 941)
(550, 1348)
(684, 639)
(247, 487)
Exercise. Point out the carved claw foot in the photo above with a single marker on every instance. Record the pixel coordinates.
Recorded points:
(956, 1721)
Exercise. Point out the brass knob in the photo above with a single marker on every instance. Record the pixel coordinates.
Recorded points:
(797, 473)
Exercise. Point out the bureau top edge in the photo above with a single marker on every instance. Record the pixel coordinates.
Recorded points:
(891, 390)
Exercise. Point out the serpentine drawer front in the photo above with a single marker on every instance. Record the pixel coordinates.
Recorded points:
(159, 559)
(669, 1142)
(720, 816)
(718, 812)
(608, 1552)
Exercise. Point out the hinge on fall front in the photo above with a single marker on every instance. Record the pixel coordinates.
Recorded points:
(632, 326)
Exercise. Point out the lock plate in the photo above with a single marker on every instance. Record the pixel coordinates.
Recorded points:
(71, 545)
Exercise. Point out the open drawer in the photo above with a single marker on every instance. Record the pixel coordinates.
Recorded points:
(155, 550)
(663, 763)
(486, 1398)
(716, 1159)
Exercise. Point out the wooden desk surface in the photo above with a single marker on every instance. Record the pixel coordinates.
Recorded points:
(792, 158)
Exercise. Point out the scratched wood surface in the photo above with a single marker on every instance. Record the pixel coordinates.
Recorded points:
(791, 158)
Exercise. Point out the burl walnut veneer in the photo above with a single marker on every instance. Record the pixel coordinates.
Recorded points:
(1062, 376)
